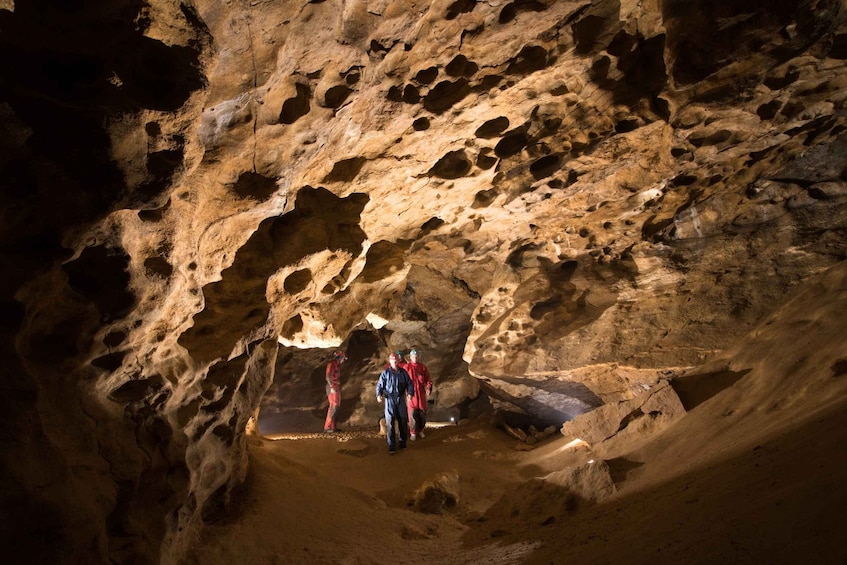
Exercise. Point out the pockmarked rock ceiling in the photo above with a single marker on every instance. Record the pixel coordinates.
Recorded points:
(559, 203)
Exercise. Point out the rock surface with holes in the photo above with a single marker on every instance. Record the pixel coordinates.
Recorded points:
(560, 203)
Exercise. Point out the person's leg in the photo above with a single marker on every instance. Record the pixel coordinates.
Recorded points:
(390, 434)
(332, 410)
(329, 423)
(414, 425)
(422, 423)
(404, 427)
(409, 415)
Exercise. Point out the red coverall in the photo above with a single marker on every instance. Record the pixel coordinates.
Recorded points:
(333, 393)
(422, 383)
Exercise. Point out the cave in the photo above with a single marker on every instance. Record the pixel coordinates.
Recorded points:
(614, 232)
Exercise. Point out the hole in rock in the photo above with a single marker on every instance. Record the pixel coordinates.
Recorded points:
(529, 59)
(255, 186)
(485, 161)
(426, 76)
(395, 93)
(461, 66)
(163, 164)
(459, 7)
(545, 166)
(114, 338)
(136, 389)
(684, 180)
(336, 95)
(454, 165)
(421, 124)
(484, 198)
(297, 281)
(384, 259)
(511, 10)
(100, 275)
(158, 267)
(411, 94)
(511, 144)
(353, 76)
(292, 326)
(492, 128)
(446, 94)
(110, 362)
(627, 125)
(430, 225)
(345, 170)
(296, 107)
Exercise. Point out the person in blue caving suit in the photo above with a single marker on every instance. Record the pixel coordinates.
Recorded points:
(392, 387)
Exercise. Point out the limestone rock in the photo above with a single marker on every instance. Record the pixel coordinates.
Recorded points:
(590, 481)
(610, 419)
(438, 495)
(559, 203)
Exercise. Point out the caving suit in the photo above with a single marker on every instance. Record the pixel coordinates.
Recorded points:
(393, 385)
(422, 384)
(333, 393)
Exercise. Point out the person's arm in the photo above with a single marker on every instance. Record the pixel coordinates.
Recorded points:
(410, 387)
(427, 380)
(379, 387)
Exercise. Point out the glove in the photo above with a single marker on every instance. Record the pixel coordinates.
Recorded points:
(332, 391)
(379, 398)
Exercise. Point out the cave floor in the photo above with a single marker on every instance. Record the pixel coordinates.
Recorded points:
(343, 499)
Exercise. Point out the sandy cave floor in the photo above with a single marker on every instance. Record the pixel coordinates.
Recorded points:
(343, 499)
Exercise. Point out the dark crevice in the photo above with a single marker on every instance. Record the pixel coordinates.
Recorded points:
(255, 186)
(100, 275)
(296, 107)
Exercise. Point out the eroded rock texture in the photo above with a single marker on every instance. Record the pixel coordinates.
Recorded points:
(559, 202)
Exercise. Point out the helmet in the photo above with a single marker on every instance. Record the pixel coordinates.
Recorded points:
(399, 353)
(413, 352)
(339, 355)
(393, 356)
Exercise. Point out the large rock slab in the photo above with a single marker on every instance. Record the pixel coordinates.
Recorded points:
(608, 420)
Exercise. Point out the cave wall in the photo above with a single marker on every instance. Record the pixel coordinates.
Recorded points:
(543, 196)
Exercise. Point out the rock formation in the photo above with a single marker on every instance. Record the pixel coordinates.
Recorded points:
(561, 203)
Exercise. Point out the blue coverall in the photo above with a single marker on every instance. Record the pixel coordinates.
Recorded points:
(393, 384)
